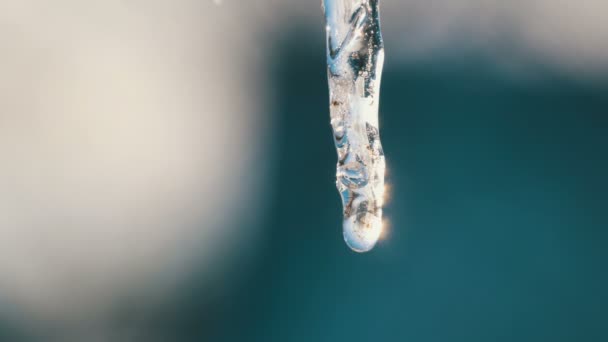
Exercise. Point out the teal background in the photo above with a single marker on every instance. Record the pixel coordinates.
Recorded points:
(498, 211)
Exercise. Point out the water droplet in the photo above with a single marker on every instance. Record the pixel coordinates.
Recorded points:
(362, 229)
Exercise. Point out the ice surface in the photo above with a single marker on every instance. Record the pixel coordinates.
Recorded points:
(355, 55)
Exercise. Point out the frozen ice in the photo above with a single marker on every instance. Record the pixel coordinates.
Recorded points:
(355, 56)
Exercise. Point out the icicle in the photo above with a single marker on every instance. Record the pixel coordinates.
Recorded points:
(355, 55)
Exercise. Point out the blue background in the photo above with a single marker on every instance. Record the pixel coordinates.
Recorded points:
(498, 222)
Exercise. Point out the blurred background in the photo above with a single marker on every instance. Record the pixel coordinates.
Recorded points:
(167, 174)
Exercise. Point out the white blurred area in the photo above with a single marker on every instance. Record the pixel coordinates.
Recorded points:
(566, 36)
(130, 130)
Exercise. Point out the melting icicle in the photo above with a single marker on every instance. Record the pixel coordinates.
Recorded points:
(355, 55)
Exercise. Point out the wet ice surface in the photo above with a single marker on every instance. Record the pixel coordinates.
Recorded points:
(355, 55)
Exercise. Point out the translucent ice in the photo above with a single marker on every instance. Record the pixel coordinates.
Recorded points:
(355, 55)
